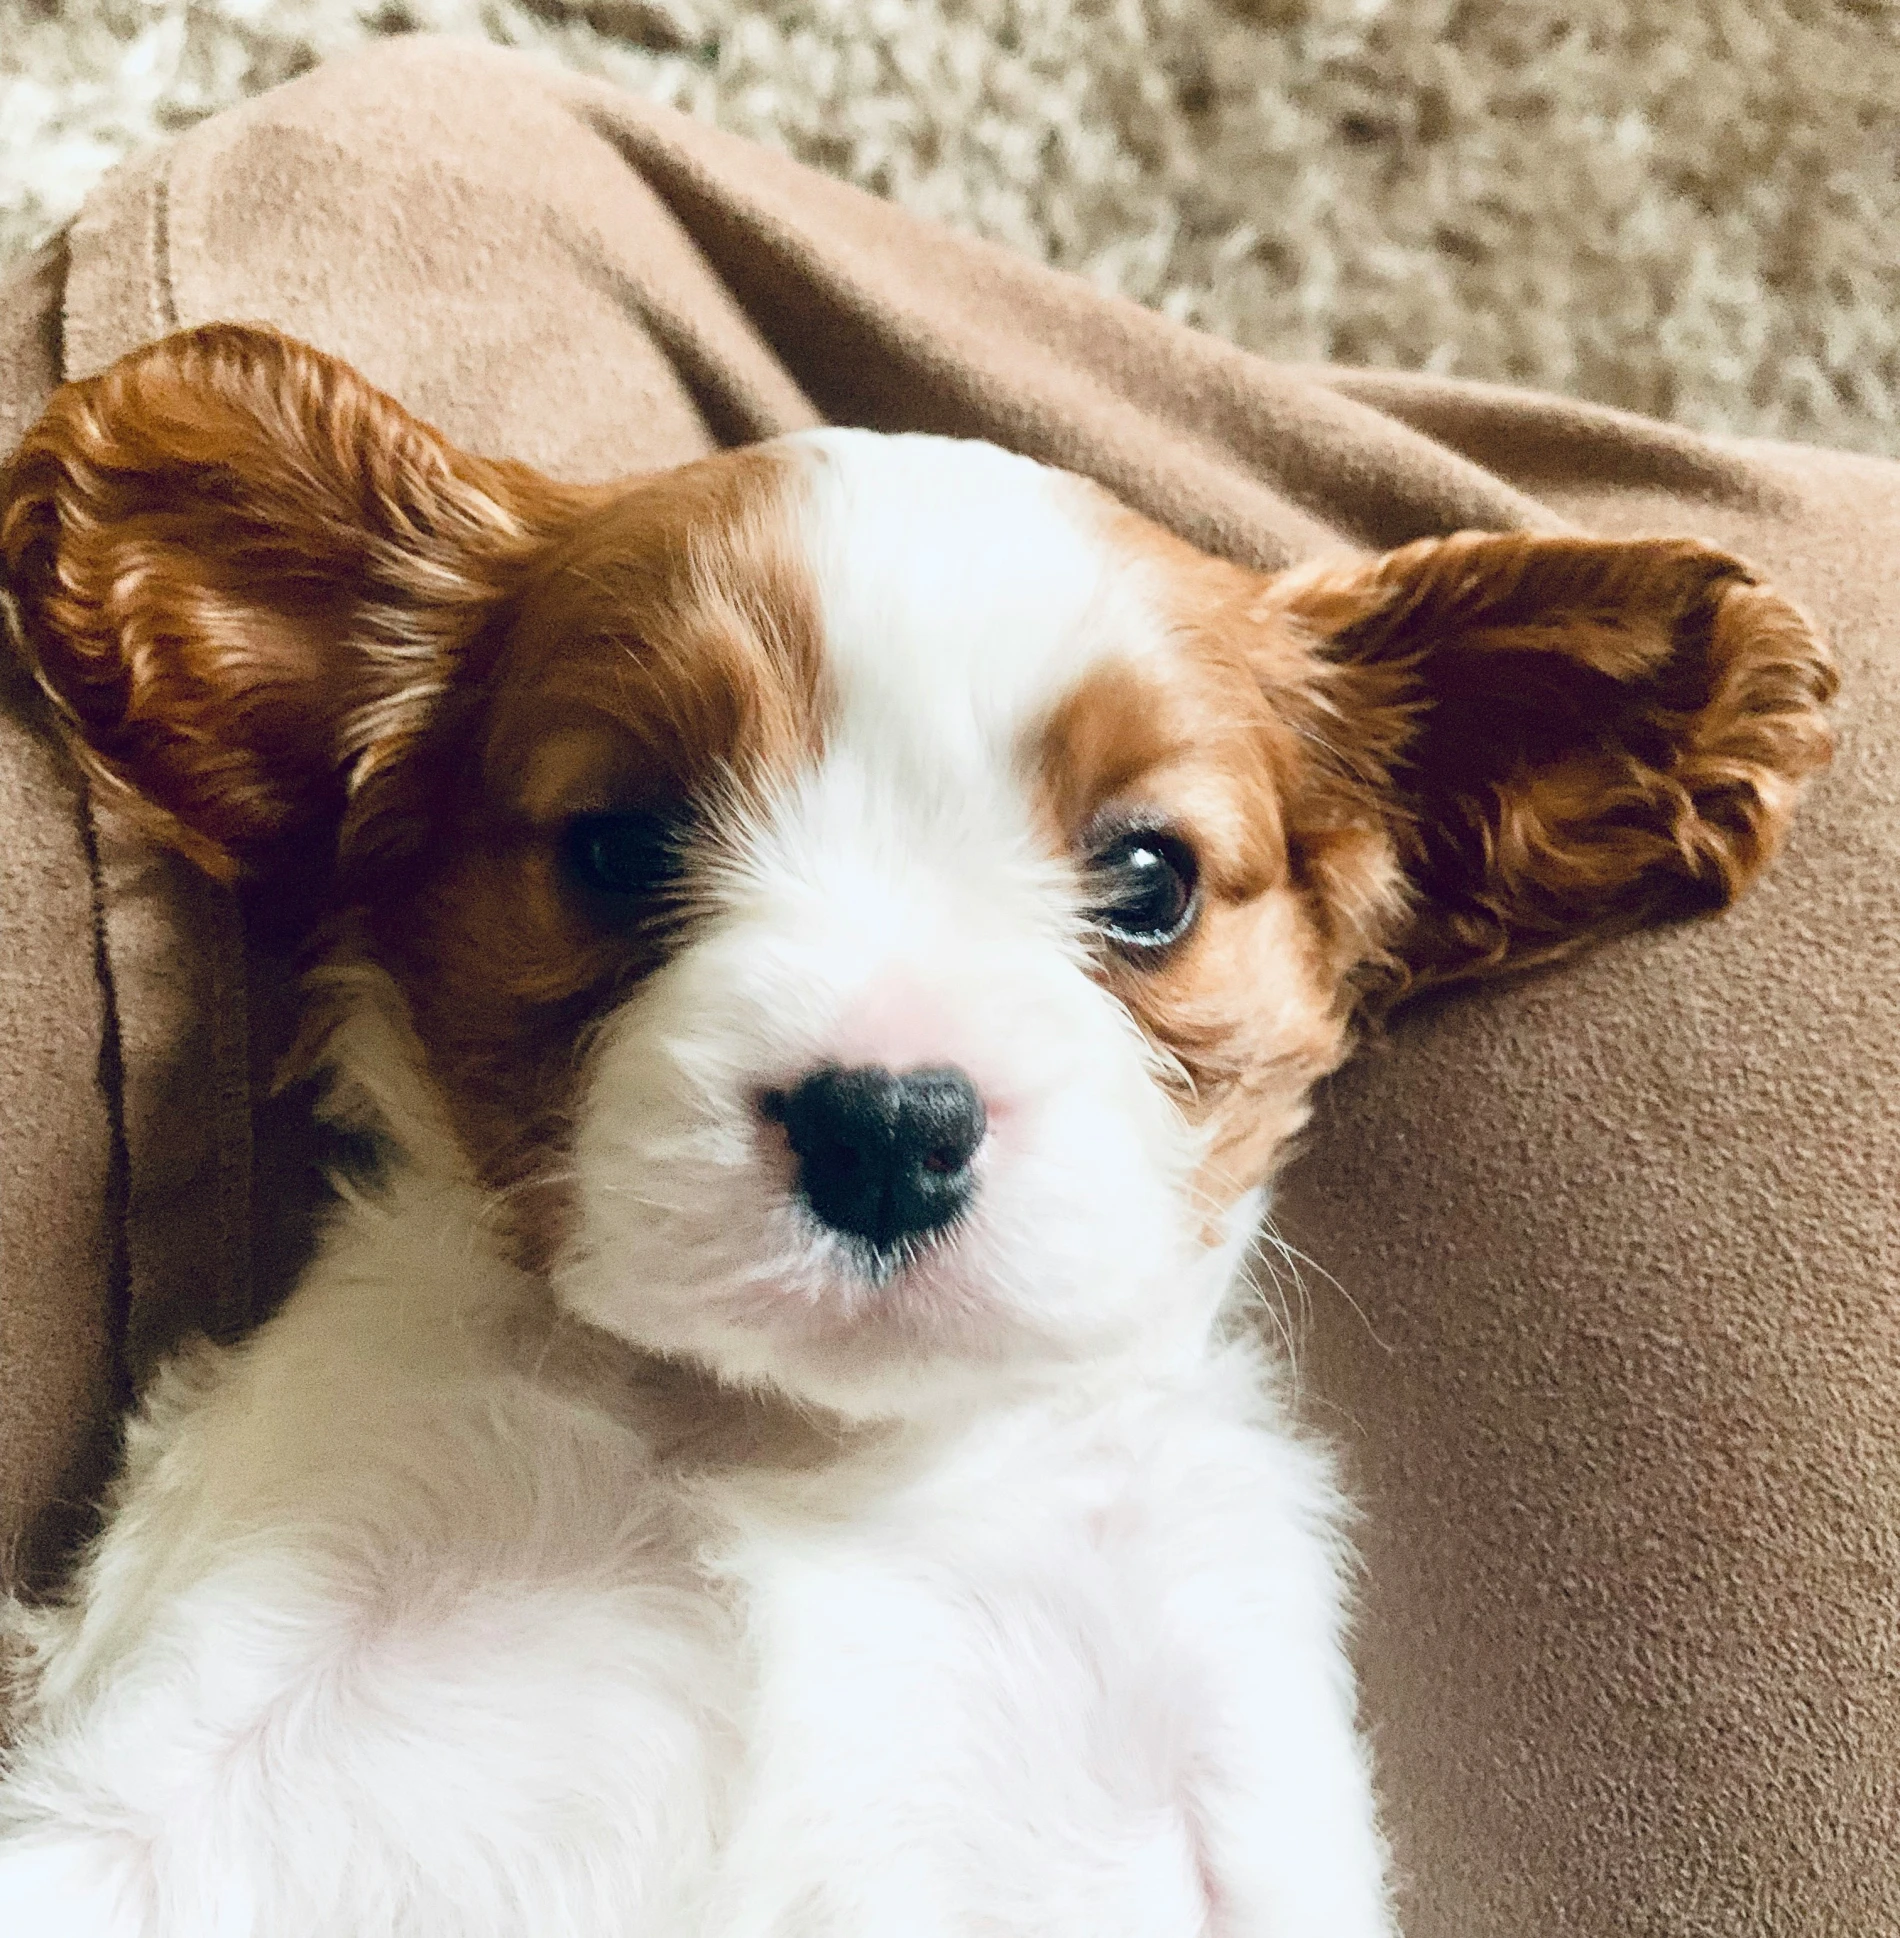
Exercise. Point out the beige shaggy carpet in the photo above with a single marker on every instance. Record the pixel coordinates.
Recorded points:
(1689, 207)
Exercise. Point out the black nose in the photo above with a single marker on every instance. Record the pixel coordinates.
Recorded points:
(882, 1157)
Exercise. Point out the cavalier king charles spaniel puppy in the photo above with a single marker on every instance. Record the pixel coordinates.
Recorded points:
(830, 943)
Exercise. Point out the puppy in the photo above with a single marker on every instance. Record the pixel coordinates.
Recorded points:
(832, 941)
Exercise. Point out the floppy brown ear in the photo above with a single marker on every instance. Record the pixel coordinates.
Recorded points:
(1569, 736)
(243, 575)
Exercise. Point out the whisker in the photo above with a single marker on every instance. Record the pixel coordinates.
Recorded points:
(1296, 1259)
(644, 1200)
(1269, 1302)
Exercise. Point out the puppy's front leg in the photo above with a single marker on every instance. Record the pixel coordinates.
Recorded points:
(1292, 1848)
(1281, 1790)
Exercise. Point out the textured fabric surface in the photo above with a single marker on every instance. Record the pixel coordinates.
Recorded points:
(61, 1274)
(1686, 208)
(1602, 1302)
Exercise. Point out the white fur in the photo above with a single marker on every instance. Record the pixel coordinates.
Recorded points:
(998, 1598)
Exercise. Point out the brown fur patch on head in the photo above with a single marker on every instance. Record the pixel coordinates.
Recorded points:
(1473, 756)
(1251, 1005)
(663, 657)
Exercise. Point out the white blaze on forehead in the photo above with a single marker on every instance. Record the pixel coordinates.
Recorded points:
(895, 901)
(963, 591)
(904, 876)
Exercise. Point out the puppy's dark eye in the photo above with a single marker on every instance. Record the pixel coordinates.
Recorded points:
(626, 854)
(1144, 888)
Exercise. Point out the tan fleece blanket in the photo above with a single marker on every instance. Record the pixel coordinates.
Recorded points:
(1600, 1292)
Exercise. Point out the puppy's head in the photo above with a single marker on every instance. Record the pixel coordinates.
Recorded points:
(868, 909)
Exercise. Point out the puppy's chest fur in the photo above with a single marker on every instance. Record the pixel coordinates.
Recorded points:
(1024, 1650)
(542, 1613)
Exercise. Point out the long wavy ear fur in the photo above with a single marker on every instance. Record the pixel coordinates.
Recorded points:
(1567, 737)
(245, 577)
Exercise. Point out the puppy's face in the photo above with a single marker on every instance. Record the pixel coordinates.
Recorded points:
(923, 893)
(870, 910)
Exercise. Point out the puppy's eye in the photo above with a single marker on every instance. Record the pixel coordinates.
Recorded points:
(625, 854)
(1144, 888)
